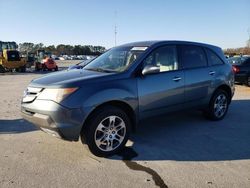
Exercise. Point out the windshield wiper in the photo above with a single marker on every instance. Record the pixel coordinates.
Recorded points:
(100, 70)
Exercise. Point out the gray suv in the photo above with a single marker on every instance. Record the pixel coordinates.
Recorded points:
(104, 101)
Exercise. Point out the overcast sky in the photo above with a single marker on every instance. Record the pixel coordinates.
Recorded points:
(219, 22)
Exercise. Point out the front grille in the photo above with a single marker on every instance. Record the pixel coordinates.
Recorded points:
(30, 94)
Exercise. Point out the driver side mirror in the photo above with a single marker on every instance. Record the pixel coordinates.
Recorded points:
(150, 69)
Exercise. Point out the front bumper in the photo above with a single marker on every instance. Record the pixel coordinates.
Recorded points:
(54, 119)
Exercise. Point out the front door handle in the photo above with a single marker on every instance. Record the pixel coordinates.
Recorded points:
(211, 73)
(176, 79)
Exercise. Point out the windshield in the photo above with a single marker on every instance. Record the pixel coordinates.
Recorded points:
(115, 60)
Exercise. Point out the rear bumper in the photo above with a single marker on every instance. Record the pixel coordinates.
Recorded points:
(54, 119)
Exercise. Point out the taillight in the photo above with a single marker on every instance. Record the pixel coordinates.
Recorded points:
(235, 69)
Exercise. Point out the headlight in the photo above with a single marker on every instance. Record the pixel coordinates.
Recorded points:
(56, 95)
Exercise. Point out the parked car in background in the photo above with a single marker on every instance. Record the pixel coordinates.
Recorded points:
(242, 71)
(62, 58)
(237, 59)
(104, 101)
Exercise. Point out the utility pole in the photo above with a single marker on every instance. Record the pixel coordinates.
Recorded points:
(115, 27)
(248, 42)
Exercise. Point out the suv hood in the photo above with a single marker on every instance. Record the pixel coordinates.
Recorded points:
(62, 78)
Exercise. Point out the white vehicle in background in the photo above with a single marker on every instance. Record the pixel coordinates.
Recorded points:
(61, 58)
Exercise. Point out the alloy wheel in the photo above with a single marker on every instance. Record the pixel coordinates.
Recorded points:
(220, 105)
(110, 133)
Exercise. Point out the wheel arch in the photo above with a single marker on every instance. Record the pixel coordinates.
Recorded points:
(225, 88)
(116, 103)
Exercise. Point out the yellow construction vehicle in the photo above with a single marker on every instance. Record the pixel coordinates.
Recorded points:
(10, 59)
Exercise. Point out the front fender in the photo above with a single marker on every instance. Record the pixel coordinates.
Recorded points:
(109, 95)
(95, 93)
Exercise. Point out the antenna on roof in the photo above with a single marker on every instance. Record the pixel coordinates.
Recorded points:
(115, 27)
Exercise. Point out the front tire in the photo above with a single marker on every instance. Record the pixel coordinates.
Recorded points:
(107, 131)
(218, 105)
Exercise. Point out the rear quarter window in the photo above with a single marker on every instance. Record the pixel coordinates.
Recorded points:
(192, 57)
(213, 58)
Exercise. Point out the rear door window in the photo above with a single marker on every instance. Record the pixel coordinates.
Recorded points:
(192, 57)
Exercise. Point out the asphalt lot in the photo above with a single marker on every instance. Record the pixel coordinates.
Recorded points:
(177, 150)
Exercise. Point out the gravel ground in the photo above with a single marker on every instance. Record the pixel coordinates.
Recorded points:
(178, 150)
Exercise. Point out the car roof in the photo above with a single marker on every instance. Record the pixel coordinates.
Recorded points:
(158, 42)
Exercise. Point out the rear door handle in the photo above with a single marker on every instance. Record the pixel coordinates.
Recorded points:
(176, 79)
(211, 73)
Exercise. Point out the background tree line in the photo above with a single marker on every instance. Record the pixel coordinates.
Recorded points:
(237, 51)
(62, 49)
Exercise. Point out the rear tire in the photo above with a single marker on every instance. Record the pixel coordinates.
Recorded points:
(2, 69)
(107, 131)
(218, 105)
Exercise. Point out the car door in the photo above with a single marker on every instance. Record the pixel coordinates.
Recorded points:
(217, 67)
(198, 76)
(163, 91)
